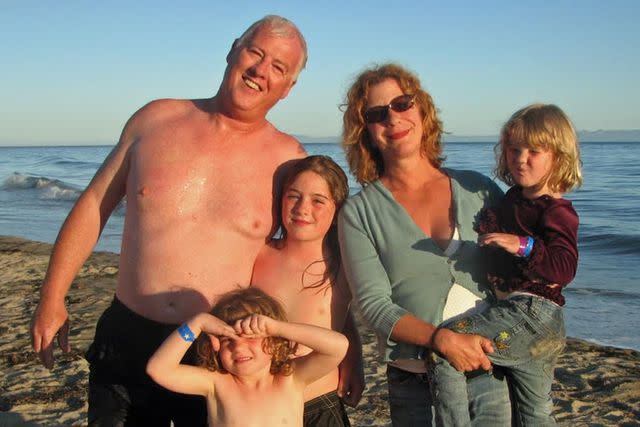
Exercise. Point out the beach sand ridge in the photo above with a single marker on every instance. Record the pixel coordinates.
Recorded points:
(595, 385)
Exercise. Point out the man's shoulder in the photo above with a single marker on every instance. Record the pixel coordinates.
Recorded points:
(160, 110)
(285, 144)
(281, 136)
(167, 107)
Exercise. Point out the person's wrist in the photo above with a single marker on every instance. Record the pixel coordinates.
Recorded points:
(434, 337)
(525, 246)
(273, 326)
(186, 333)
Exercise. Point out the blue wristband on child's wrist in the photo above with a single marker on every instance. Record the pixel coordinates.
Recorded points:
(526, 245)
(186, 333)
(527, 250)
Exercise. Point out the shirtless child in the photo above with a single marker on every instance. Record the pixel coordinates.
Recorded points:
(198, 187)
(301, 268)
(245, 372)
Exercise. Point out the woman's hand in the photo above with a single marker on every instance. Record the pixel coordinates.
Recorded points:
(465, 352)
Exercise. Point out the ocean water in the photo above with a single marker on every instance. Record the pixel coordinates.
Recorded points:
(38, 186)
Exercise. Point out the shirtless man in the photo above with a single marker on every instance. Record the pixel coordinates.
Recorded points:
(197, 176)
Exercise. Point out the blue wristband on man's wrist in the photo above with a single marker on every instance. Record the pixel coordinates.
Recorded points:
(186, 333)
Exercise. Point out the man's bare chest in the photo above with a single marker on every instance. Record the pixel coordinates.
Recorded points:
(209, 189)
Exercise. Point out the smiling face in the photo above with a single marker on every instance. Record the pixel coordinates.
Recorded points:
(400, 133)
(530, 168)
(261, 72)
(308, 208)
(245, 353)
(244, 356)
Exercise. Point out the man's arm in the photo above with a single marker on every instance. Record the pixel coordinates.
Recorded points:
(74, 244)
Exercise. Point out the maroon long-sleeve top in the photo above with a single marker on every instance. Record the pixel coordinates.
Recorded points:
(553, 223)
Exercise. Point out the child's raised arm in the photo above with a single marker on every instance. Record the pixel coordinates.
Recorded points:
(328, 347)
(164, 366)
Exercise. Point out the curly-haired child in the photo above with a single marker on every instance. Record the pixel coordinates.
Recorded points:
(246, 374)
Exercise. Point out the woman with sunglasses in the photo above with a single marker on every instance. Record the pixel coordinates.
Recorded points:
(408, 245)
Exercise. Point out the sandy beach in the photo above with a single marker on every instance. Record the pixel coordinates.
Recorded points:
(595, 385)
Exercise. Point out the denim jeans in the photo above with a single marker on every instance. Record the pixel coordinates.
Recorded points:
(410, 399)
(528, 335)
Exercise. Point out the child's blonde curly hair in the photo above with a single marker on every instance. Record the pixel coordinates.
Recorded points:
(236, 305)
(547, 127)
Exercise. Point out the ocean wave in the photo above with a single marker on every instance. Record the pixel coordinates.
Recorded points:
(627, 297)
(76, 164)
(47, 188)
(611, 243)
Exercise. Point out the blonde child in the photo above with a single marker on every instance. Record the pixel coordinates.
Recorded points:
(301, 267)
(533, 234)
(246, 374)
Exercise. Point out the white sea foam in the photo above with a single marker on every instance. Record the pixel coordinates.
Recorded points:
(47, 188)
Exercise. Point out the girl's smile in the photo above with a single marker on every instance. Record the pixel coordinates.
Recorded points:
(308, 207)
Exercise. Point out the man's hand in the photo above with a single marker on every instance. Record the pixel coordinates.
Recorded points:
(351, 383)
(465, 352)
(48, 321)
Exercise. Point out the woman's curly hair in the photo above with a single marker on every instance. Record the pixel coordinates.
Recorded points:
(365, 160)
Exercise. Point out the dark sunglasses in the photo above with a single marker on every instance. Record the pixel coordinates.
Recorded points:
(380, 113)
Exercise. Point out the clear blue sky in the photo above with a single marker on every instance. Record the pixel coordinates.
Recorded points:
(72, 72)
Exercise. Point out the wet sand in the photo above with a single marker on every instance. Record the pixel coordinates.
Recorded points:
(595, 385)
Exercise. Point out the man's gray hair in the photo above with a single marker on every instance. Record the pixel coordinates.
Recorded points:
(277, 26)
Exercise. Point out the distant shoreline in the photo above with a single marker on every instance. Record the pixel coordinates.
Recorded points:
(612, 136)
(458, 140)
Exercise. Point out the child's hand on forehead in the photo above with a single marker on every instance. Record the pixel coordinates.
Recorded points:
(216, 328)
(255, 326)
